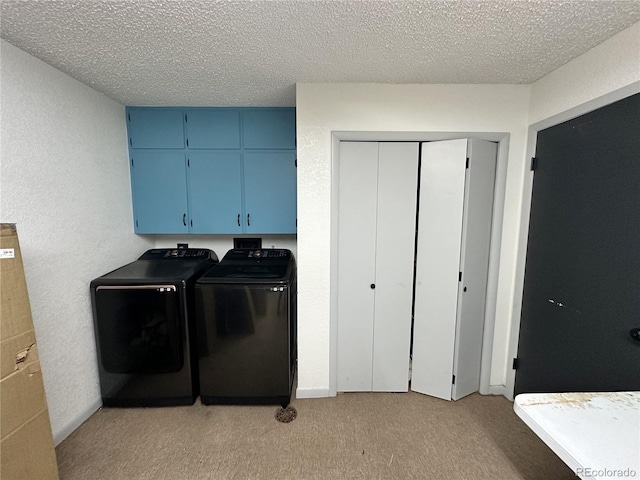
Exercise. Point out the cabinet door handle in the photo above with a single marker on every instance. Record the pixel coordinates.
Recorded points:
(248, 220)
(184, 219)
(238, 219)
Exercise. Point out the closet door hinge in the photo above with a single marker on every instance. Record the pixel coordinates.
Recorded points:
(453, 380)
(459, 276)
(467, 164)
(534, 164)
(516, 364)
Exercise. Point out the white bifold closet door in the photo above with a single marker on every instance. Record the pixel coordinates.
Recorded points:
(376, 245)
(454, 232)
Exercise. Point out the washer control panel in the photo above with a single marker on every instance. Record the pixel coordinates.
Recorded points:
(258, 254)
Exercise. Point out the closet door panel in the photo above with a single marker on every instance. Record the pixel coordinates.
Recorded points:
(476, 235)
(442, 181)
(358, 172)
(396, 224)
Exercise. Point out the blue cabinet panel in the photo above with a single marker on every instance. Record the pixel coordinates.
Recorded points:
(270, 192)
(213, 128)
(155, 128)
(213, 170)
(269, 128)
(159, 187)
(215, 188)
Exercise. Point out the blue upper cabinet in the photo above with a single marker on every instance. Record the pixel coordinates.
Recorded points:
(269, 128)
(270, 193)
(159, 188)
(213, 128)
(155, 128)
(215, 189)
(213, 170)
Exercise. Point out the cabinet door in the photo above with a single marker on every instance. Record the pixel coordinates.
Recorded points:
(442, 184)
(270, 192)
(269, 128)
(358, 185)
(215, 192)
(213, 128)
(155, 128)
(159, 188)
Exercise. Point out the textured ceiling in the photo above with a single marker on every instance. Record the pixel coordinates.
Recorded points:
(201, 52)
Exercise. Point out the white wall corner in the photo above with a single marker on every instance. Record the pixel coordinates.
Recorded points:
(78, 419)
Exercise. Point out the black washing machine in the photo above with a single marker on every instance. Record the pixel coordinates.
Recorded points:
(246, 322)
(144, 327)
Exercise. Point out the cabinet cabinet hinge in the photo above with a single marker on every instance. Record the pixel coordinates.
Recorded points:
(467, 164)
(136, 223)
(516, 364)
(130, 142)
(459, 276)
(295, 163)
(187, 143)
(188, 163)
(534, 164)
(185, 118)
(453, 380)
(132, 164)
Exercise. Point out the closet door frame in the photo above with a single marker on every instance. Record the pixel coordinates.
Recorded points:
(502, 138)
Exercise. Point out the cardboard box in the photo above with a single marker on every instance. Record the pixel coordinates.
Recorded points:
(26, 444)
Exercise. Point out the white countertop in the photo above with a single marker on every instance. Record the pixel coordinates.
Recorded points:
(596, 434)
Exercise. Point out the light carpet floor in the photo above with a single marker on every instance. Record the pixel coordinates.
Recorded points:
(351, 436)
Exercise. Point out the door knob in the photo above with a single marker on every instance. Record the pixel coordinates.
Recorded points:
(373, 285)
(635, 334)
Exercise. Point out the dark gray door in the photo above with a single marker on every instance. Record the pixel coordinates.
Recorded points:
(582, 279)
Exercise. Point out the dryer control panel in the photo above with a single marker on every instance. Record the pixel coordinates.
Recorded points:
(178, 253)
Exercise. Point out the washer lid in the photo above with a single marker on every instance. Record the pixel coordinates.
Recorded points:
(155, 271)
(257, 271)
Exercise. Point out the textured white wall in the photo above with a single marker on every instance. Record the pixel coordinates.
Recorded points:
(612, 65)
(323, 108)
(65, 183)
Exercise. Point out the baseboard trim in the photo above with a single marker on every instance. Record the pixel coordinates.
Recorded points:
(498, 390)
(302, 392)
(58, 437)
